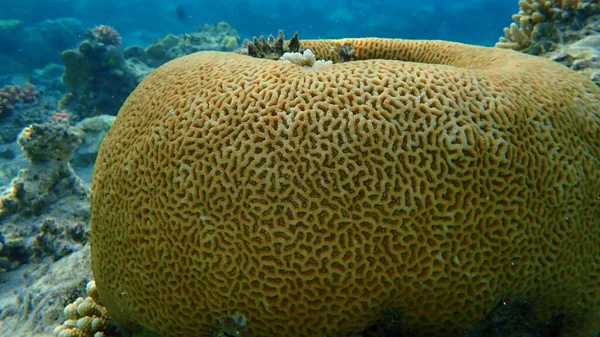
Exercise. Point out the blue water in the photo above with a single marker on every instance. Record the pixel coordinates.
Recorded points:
(40, 40)
(470, 21)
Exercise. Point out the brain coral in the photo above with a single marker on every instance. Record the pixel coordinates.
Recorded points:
(430, 178)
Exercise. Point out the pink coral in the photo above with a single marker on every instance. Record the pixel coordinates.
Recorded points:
(106, 34)
(13, 94)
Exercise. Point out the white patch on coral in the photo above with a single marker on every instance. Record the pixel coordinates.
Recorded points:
(306, 60)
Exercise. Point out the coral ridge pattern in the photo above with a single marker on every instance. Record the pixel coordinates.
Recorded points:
(430, 178)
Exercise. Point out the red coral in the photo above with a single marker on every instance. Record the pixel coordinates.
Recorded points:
(106, 34)
(13, 94)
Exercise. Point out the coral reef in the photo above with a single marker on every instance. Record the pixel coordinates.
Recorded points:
(21, 106)
(51, 238)
(220, 36)
(104, 34)
(50, 144)
(86, 317)
(26, 114)
(99, 76)
(431, 179)
(11, 95)
(44, 210)
(543, 26)
(562, 30)
(44, 215)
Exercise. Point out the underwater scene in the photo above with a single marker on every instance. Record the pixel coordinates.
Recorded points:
(293, 169)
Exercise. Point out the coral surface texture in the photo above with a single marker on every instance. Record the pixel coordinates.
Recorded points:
(427, 178)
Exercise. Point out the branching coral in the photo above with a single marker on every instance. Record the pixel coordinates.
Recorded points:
(541, 25)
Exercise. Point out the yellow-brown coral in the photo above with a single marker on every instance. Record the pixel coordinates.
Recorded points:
(85, 317)
(430, 178)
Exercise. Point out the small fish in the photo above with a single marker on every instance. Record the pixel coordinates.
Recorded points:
(180, 12)
(19, 79)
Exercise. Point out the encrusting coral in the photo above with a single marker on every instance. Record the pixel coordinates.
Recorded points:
(431, 179)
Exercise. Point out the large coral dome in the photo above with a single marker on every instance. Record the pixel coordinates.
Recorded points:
(427, 178)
